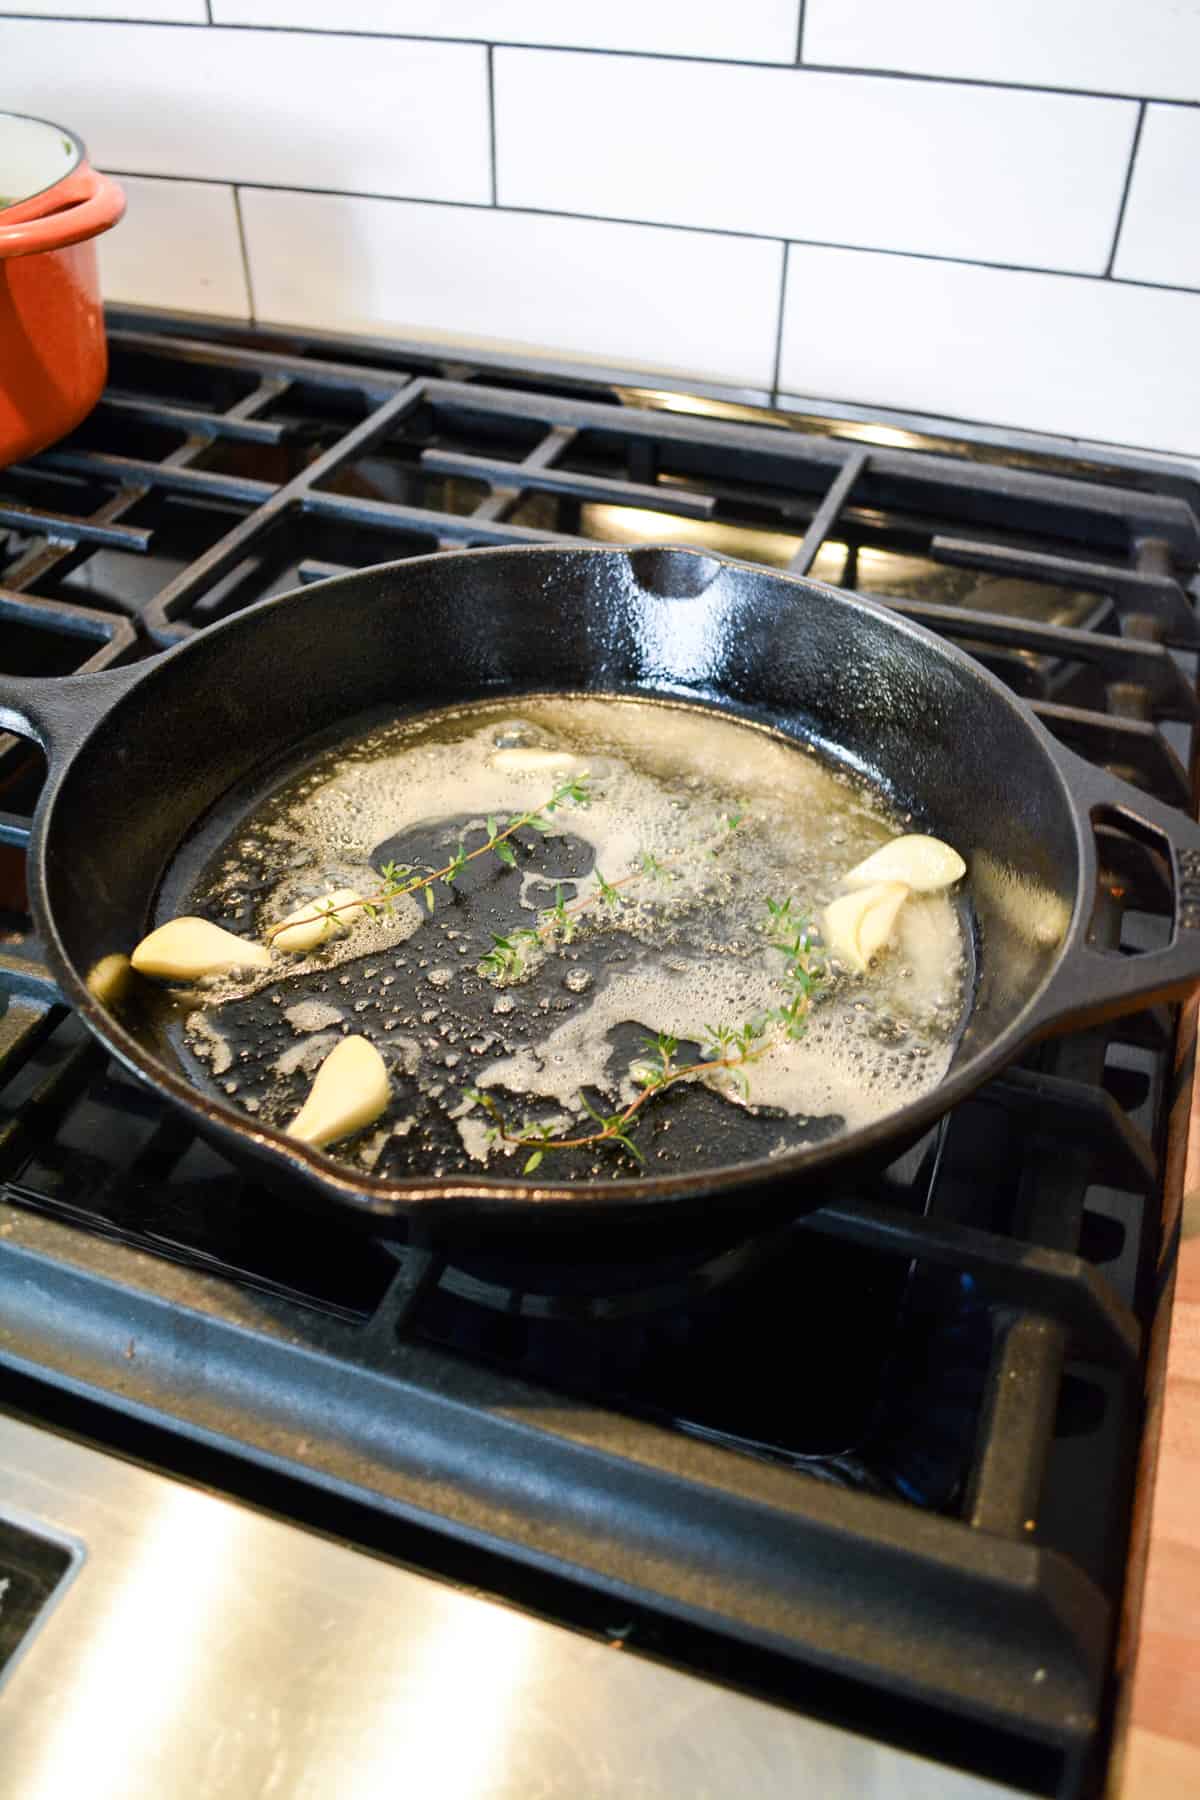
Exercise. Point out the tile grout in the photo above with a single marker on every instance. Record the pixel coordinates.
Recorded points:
(783, 281)
(769, 63)
(1124, 201)
(751, 237)
(491, 100)
(245, 249)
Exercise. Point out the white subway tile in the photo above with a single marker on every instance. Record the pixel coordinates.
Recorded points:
(632, 295)
(989, 174)
(1108, 46)
(396, 117)
(1160, 234)
(177, 247)
(752, 31)
(1040, 352)
(178, 12)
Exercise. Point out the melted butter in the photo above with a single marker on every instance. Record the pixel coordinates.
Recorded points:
(664, 780)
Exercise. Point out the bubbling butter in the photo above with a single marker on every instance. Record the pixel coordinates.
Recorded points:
(696, 818)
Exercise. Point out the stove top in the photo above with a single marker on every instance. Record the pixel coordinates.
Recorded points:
(874, 1465)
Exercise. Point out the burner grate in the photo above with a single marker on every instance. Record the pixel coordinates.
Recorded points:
(956, 1361)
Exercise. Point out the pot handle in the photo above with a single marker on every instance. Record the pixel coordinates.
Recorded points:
(1091, 984)
(99, 206)
(60, 712)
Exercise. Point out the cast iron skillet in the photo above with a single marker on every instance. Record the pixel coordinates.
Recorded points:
(139, 756)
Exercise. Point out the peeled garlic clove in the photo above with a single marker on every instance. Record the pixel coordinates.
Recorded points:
(108, 979)
(350, 1091)
(185, 949)
(922, 863)
(313, 922)
(519, 759)
(857, 926)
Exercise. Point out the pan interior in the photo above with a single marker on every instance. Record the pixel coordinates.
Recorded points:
(697, 819)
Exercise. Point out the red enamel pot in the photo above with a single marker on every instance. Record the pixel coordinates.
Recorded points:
(53, 354)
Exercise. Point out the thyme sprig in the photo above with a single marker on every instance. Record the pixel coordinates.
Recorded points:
(401, 878)
(613, 1127)
(723, 1047)
(792, 933)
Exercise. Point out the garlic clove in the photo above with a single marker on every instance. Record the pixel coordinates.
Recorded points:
(350, 1091)
(108, 979)
(857, 926)
(313, 922)
(185, 949)
(924, 864)
(525, 759)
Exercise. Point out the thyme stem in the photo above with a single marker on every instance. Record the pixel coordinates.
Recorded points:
(614, 1127)
(397, 879)
(732, 1048)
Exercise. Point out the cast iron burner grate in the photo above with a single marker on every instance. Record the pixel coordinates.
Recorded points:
(876, 1462)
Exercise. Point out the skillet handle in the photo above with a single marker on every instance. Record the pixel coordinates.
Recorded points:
(60, 712)
(1091, 984)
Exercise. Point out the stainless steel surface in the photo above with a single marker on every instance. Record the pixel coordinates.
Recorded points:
(202, 1649)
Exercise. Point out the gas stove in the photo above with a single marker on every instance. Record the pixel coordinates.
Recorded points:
(868, 1474)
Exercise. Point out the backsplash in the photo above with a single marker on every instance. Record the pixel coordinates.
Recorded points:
(946, 206)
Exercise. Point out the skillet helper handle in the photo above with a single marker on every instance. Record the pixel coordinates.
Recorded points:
(1092, 984)
(59, 711)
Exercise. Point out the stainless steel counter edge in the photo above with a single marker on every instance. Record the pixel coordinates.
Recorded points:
(202, 1648)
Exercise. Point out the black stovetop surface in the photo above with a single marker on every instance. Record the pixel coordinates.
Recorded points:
(876, 1462)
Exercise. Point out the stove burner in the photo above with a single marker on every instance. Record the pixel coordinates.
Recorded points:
(587, 1289)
